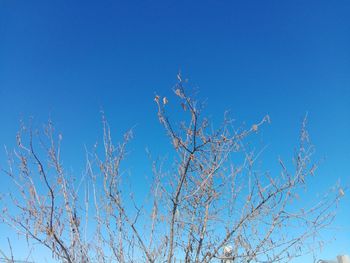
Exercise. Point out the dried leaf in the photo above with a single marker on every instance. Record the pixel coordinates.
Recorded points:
(178, 92)
(176, 143)
(156, 98)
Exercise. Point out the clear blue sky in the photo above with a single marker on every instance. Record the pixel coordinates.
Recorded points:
(69, 59)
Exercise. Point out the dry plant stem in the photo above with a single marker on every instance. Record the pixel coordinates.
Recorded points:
(213, 194)
(52, 198)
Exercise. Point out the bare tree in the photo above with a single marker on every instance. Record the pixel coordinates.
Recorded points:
(212, 196)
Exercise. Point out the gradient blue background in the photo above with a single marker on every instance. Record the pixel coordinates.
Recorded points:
(68, 59)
